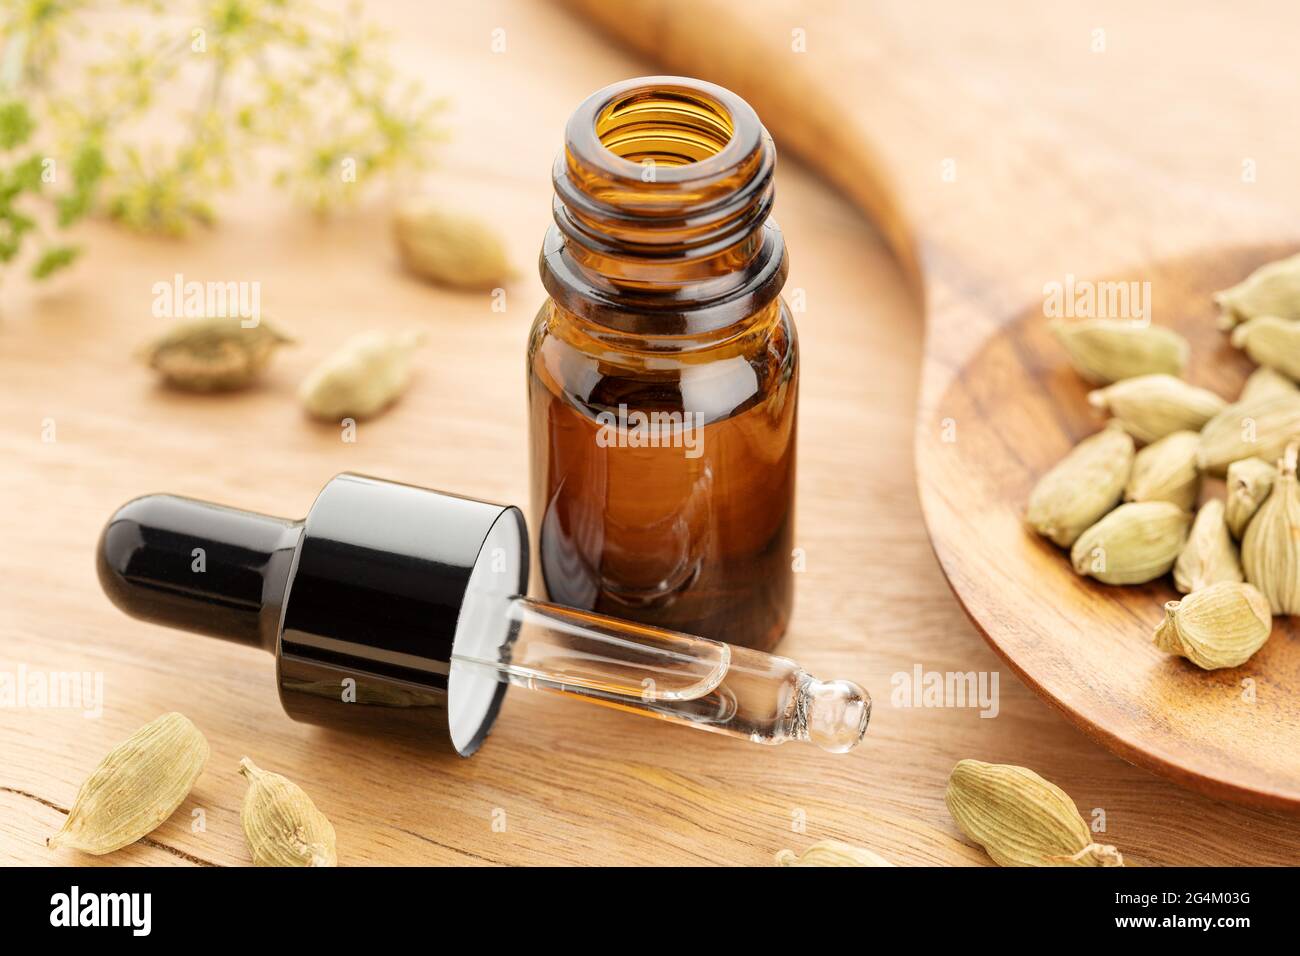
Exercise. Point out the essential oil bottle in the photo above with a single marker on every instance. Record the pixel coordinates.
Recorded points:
(663, 369)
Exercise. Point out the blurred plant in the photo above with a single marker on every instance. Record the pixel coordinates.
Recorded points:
(305, 90)
(32, 31)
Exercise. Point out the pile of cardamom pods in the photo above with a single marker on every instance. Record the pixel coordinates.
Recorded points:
(1127, 514)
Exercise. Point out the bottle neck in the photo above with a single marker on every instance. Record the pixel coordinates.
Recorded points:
(662, 198)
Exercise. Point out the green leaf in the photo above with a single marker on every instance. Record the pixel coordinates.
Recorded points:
(15, 124)
(72, 207)
(53, 259)
(88, 166)
(27, 174)
(18, 224)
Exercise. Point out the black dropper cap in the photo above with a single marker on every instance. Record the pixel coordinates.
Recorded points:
(362, 602)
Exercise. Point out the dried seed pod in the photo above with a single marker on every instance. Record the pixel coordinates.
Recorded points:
(362, 378)
(1264, 382)
(1270, 551)
(832, 853)
(1210, 556)
(1166, 471)
(1153, 406)
(213, 355)
(1249, 483)
(1257, 428)
(1272, 289)
(1021, 819)
(1135, 543)
(1082, 487)
(136, 787)
(1108, 350)
(449, 248)
(1218, 626)
(1271, 342)
(283, 826)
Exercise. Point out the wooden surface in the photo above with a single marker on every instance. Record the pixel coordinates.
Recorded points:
(1233, 733)
(572, 784)
(994, 161)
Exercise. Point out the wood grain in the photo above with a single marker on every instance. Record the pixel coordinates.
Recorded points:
(576, 785)
(1234, 733)
(988, 145)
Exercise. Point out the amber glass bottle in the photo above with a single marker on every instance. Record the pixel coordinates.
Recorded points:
(663, 370)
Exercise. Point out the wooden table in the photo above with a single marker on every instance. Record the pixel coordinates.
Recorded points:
(572, 784)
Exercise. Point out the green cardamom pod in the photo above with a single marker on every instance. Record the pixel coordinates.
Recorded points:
(282, 825)
(362, 378)
(1135, 543)
(136, 787)
(1265, 381)
(213, 355)
(1082, 487)
(1271, 342)
(450, 249)
(1153, 406)
(1218, 626)
(1210, 555)
(1259, 428)
(1270, 551)
(1021, 819)
(1272, 289)
(1166, 471)
(1108, 350)
(1249, 483)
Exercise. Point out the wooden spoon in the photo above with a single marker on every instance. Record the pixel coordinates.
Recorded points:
(1000, 148)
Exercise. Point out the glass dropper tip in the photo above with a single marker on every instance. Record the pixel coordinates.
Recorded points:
(837, 713)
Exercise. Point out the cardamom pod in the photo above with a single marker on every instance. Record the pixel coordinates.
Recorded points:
(136, 787)
(1271, 342)
(1082, 487)
(832, 853)
(1020, 819)
(1166, 471)
(1152, 406)
(1135, 543)
(1249, 483)
(1270, 551)
(1258, 428)
(213, 355)
(449, 248)
(362, 378)
(1266, 381)
(1218, 626)
(1210, 555)
(1272, 289)
(1108, 350)
(283, 826)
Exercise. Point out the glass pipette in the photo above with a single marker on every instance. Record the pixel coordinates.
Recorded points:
(678, 678)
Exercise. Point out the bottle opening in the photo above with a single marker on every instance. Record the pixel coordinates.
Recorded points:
(662, 196)
(664, 128)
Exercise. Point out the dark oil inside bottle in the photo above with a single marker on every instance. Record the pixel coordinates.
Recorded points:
(663, 369)
(693, 530)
